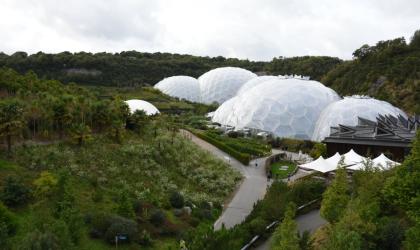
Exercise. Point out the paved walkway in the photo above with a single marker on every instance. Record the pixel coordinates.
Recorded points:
(252, 188)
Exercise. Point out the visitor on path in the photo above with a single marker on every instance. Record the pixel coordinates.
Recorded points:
(288, 177)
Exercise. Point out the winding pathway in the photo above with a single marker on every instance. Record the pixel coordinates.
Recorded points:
(252, 188)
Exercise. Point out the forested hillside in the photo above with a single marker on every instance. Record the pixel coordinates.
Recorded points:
(389, 70)
(66, 181)
(131, 68)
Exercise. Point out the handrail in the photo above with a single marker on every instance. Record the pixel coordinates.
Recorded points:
(256, 237)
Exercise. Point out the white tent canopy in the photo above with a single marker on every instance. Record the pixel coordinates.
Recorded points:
(334, 160)
(384, 162)
(352, 161)
(351, 158)
(320, 165)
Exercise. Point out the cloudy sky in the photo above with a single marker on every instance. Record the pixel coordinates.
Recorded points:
(253, 29)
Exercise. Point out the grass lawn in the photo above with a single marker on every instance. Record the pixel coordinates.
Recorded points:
(278, 171)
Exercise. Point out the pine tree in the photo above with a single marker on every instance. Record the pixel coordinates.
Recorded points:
(336, 196)
(286, 236)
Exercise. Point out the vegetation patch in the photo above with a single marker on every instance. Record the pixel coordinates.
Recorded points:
(242, 149)
(282, 169)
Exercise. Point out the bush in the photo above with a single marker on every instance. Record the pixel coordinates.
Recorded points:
(145, 239)
(121, 226)
(243, 158)
(50, 235)
(15, 192)
(176, 199)
(8, 225)
(157, 218)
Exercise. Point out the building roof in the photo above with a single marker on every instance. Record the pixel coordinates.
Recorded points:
(387, 130)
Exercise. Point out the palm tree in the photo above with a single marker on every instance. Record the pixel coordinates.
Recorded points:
(81, 133)
(11, 120)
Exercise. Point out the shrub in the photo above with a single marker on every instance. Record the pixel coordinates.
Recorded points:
(145, 238)
(50, 235)
(157, 218)
(257, 226)
(121, 226)
(243, 158)
(45, 184)
(176, 199)
(15, 192)
(8, 225)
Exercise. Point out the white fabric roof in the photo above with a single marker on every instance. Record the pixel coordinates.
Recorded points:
(384, 162)
(352, 161)
(320, 165)
(351, 158)
(333, 160)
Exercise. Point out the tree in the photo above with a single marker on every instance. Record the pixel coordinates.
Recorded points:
(119, 113)
(15, 192)
(8, 225)
(342, 239)
(11, 120)
(125, 206)
(415, 39)
(137, 120)
(286, 236)
(402, 190)
(81, 133)
(336, 197)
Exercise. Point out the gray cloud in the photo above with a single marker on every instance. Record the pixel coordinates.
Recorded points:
(258, 30)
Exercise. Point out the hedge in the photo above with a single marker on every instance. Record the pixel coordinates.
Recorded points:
(242, 157)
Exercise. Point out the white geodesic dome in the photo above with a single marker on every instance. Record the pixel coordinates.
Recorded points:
(286, 108)
(254, 82)
(347, 111)
(218, 85)
(183, 87)
(147, 107)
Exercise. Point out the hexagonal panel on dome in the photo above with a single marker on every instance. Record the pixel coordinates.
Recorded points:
(254, 82)
(183, 87)
(221, 84)
(278, 106)
(347, 111)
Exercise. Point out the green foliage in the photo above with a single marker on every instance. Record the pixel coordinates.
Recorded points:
(242, 149)
(157, 218)
(389, 71)
(11, 120)
(15, 192)
(336, 197)
(132, 68)
(293, 145)
(121, 226)
(403, 188)
(45, 184)
(350, 240)
(319, 149)
(8, 225)
(286, 236)
(47, 234)
(125, 205)
(176, 199)
(278, 172)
